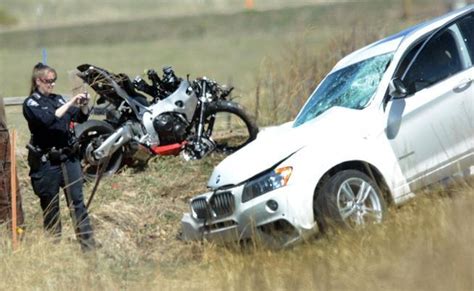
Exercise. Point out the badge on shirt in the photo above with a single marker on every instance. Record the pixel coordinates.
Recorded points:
(32, 103)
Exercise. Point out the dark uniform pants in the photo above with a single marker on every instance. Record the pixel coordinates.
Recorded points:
(46, 181)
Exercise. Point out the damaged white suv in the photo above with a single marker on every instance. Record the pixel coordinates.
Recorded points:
(388, 119)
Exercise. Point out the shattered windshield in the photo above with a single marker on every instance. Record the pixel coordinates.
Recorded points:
(350, 87)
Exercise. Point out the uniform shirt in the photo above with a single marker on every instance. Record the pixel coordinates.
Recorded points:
(46, 129)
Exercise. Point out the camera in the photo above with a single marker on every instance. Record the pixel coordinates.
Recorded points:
(84, 99)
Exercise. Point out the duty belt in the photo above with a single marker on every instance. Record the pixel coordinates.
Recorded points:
(53, 154)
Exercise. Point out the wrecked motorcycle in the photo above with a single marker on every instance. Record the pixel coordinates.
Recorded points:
(191, 117)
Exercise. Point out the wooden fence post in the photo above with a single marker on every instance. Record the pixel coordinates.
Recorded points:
(13, 189)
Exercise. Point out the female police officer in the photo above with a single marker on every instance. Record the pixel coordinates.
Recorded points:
(52, 158)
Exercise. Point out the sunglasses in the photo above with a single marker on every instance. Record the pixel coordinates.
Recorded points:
(48, 81)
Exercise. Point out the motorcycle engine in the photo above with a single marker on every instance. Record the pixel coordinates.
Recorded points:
(171, 128)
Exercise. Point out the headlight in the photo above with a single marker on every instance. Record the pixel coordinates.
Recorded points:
(266, 183)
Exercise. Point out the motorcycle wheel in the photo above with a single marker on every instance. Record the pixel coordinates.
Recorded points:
(229, 126)
(90, 136)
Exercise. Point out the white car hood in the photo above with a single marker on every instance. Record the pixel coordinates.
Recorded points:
(273, 145)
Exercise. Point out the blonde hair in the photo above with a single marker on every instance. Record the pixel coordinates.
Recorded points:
(39, 70)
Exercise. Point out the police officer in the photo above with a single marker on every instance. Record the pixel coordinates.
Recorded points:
(52, 157)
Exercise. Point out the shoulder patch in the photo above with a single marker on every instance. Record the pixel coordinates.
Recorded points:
(61, 101)
(36, 95)
(32, 103)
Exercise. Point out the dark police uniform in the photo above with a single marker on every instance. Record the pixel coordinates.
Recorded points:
(54, 141)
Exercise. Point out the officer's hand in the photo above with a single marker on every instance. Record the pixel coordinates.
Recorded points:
(81, 99)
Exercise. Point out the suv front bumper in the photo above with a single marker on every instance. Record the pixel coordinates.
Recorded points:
(221, 216)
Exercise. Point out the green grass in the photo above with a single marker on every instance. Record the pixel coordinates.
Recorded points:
(218, 53)
(223, 47)
(6, 19)
(133, 58)
(85, 11)
(268, 22)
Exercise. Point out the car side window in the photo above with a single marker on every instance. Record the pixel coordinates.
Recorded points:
(438, 60)
(407, 60)
(466, 25)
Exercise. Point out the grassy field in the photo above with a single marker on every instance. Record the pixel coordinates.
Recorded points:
(424, 245)
(222, 46)
(55, 12)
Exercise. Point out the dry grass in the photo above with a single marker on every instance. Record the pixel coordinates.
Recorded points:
(424, 245)
(284, 83)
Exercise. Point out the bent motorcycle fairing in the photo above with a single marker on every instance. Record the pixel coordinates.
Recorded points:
(183, 117)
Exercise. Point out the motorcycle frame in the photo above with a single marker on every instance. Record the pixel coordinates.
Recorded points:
(145, 116)
(123, 134)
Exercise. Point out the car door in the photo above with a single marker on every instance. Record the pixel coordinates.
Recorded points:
(466, 27)
(431, 129)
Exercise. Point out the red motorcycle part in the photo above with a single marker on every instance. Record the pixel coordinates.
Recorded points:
(168, 150)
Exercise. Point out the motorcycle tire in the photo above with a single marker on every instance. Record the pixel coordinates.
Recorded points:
(90, 135)
(229, 126)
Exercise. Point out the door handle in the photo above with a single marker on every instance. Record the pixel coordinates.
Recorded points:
(464, 84)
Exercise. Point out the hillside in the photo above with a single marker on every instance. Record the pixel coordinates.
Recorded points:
(211, 45)
(55, 13)
(277, 54)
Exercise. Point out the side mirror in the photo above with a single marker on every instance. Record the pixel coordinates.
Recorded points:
(396, 89)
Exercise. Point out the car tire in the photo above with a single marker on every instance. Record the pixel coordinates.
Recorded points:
(350, 199)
